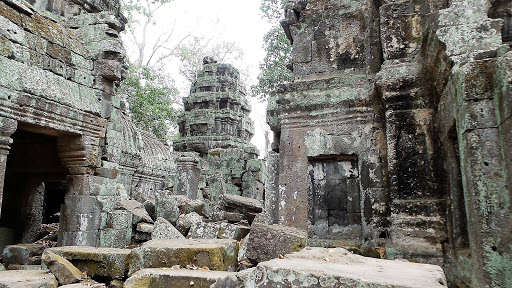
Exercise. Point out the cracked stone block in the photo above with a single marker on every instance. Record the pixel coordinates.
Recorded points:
(63, 270)
(216, 254)
(266, 242)
(164, 230)
(181, 278)
(104, 262)
(337, 267)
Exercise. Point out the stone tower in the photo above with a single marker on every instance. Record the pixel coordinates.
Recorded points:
(216, 156)
(216, 112)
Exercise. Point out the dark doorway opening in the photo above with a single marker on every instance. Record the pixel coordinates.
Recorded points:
(334, 205)
(35, 184)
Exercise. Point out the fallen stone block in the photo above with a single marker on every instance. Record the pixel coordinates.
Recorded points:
(162, 277)
(216, 254)
(115, 238)
(63, 270)
(27, 279)
(137, 209)
(240, 204)
(266, 242)
(221, 230)
(85, 284)
(184, 223)
(144, 227)
(337, 267)
(167, 208)
(24, 254)
(25, 267)
(104, 262)
(164, 231)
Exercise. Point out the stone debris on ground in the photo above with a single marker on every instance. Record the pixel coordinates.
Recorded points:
(63, 270)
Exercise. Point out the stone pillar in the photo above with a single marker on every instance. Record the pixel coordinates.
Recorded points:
(81, 212)
(188, 175)
(7, 128)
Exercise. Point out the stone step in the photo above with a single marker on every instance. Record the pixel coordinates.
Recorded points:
(27, 279)
(337, 267)
(216, 254)
(104, 262)
(165, 277)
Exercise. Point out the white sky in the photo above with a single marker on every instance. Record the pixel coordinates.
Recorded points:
(229, 20)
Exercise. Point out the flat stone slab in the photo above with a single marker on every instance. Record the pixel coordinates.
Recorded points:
(166, 277)
(105, 262)
(27, 279)
(240, 204)
(216, 254)
(337, 267)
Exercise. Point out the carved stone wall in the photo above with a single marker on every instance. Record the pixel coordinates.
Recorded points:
(414, 95)
(60, 63)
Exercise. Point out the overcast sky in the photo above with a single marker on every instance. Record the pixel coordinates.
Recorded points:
(229, 20)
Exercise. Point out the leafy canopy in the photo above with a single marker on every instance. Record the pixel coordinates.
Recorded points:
(278, 50)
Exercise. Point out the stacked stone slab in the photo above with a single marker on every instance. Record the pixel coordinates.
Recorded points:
(214, 138)
(395, 131)
(61, 62)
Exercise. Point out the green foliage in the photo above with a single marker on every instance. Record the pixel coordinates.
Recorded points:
(273, 70)
(151, 95)
(272, 9)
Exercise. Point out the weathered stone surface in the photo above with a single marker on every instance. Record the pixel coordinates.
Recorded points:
(241, 204)
(337, 267)
(184, 223)
(84, 284)
(63, 270)
(104, 262)
(159, 278)
(164, 230)
(144, 227)
(216, 254)
(266, 242)
(137, 209)
(27, 279)
(167, 208)
(25, 267)
(25, 254)
(221, 230)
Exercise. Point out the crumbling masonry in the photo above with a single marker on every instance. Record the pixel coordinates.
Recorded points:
(395, 134)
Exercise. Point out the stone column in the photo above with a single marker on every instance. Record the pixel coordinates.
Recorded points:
(81, 213)
(7, 128)
(188, 175)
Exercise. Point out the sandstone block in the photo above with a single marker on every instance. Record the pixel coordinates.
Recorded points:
(321, 267)
(105, 262)
(25, 254)
(144, 227)
(219, 230)
(63, 270)
(266, 242)
(137, 209)
(164, 230)
(27, 279)
(160, 278)
(235, 203)
(184, 223)
(216, 254)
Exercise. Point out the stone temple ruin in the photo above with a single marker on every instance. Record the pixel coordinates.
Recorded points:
(393, 141)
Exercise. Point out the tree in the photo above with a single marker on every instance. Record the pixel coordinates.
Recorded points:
(151, 93)
(192, 52)
(152, 97)
(273, 70)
